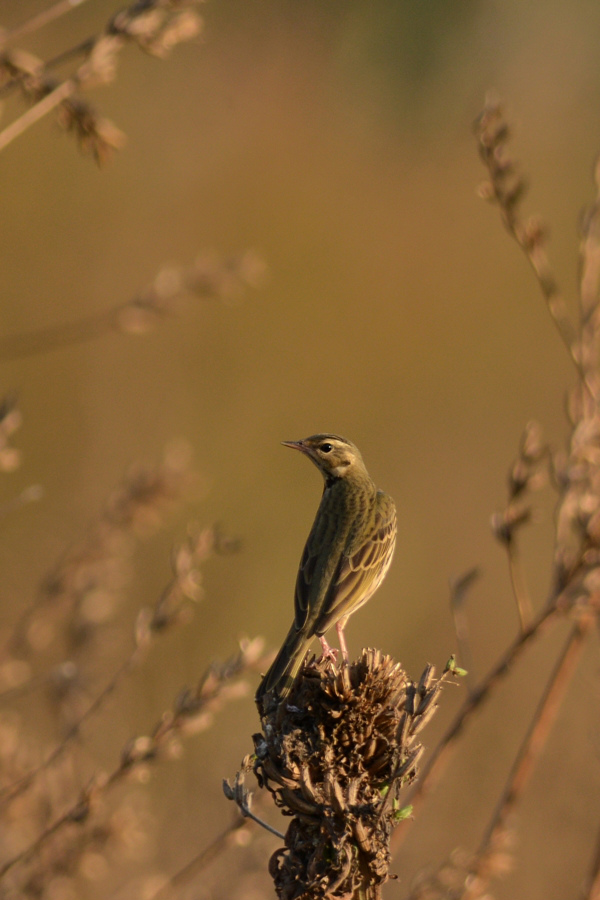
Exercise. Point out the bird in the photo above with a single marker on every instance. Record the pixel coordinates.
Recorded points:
(346, 557)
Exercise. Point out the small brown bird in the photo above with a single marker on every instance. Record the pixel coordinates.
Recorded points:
(346, 557)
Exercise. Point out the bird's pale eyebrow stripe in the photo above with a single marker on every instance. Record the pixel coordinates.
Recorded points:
(334, 437)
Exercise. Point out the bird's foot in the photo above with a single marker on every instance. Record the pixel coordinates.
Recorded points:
(328, 653)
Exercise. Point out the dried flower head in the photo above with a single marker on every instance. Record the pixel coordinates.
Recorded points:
(334, 757)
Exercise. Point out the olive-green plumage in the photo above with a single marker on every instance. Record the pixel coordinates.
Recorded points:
(346, 557)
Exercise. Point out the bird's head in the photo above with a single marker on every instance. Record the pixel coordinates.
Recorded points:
(334, 456)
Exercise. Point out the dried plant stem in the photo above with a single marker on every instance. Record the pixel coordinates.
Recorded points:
(64, 90)
(155, 26)
(519, 585)
(45, 339)
(243, 798)
(527, 756)
(22, 690)
(146, 749)
(192, 869)
(538, 260)
(42, 839)
(459, 588)
(506, 188)
(591, 890)
(14, 790)
(432, 768)
(149, 624)
(589, 288)
(40, 20)
(209, 277)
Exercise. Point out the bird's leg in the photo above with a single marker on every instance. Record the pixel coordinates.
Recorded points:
(340, 631)
(327, 651)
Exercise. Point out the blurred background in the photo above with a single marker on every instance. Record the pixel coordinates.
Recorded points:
(335, 141)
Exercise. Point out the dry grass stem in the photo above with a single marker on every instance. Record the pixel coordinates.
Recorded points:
(591, 889)
(223, 842)
(192, 712)
(243, 798)
(491, 855)
(38, 21)
(209, 277)
(507, 187)
(575, 576)
(155, 26)
(86, 586)
(527, 474)
(575, 581)
(482, 691)
(185, 586)
(459, 589)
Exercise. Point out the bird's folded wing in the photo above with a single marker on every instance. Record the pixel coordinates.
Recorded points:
(319, 563)
(361, 572)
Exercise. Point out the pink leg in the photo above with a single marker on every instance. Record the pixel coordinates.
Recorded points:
(340, 630)
(327, 651)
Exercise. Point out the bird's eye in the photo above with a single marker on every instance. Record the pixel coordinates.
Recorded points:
(325, 448)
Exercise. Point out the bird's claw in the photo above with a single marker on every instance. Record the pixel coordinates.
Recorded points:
(328, 653)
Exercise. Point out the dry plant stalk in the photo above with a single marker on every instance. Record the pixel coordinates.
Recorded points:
(335, 757)
(192, 711)
(51, 824)
(155, 26)
(210, 277)
(575, 582)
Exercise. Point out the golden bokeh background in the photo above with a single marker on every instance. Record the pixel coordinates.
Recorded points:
(334, 139)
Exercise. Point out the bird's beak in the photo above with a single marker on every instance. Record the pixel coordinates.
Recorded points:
(295, 445)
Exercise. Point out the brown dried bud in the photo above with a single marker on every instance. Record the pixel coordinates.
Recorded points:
(504, 523)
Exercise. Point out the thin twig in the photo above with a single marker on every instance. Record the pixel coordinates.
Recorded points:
(16, 788)
(519, 585)
(591, 890)
(149, 623)
(146, 749)
(39, 21)
(527, 756)
(432, 768)
(42, 340)
(81, 49)
(196, 865)
(507, 188)
(64, 90)
(210, 277)
(242, 798)
(154, 26)
(459, 589)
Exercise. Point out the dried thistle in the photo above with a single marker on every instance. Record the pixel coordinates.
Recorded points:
(335, 757)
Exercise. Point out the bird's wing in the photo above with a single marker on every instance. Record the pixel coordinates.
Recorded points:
(317, 568)
(362, 569)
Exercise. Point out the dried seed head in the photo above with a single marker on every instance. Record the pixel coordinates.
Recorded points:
(335, 756)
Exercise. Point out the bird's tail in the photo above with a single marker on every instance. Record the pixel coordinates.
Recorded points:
(285, 666)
